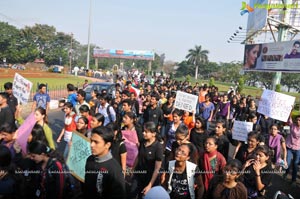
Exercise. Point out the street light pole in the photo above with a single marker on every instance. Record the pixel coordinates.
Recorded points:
(70, 53)
(89, 34)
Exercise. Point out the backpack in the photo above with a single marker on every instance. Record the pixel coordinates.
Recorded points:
(69, 184)
(108, 113)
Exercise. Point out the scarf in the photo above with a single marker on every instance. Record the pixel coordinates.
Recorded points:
(208, 175)
(274, 143)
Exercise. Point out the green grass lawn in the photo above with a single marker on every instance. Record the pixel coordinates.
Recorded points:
(52, 82)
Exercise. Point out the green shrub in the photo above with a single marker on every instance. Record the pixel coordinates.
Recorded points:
(241, 84)
(188, 78)
(211, 81)
(278, 88)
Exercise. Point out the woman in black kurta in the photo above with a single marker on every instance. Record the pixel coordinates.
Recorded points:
(148, 162)
(258, 173)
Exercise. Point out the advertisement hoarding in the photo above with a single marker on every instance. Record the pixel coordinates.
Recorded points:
(124, 54)
(279, 56)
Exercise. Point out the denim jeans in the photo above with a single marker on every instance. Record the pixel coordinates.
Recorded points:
(295, 155)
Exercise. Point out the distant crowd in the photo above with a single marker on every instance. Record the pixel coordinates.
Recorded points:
(181, 154)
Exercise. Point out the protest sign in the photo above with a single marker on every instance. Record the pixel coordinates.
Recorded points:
(276, 105)
(79, 151)
(24, 131)
(131, 141)
(21, 88)
(186, 101)
(53, 104)
(241, 129)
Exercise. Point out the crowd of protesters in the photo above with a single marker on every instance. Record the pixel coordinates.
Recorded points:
(181, 155)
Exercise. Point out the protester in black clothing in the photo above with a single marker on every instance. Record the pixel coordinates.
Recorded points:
(12, 100)
(221, 134)
(265, 124)
(258, 173)
(118, 148)
(6, 114)
(11, 184)
(103, 177)
(148, 162)
(153, 112)
(51, 179)
(199, 134)
(247, 151)
(167, 109)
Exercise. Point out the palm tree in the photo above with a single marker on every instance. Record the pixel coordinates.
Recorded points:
(196, 57)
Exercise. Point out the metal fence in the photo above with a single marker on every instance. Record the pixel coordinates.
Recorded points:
(55, 92)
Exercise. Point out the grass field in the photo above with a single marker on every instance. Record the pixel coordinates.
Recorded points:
(53, 82)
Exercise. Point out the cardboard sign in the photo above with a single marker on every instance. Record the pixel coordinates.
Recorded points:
(186, 101)
(241, 129)
(24, 131)
(276, 105)
(79, 151)
(21, 88)
(53, 104)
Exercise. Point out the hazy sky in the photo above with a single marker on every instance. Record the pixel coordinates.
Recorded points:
(170, 27)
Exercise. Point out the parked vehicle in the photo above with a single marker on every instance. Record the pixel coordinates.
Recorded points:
(99, 86)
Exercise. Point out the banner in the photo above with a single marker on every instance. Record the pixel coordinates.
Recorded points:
(124, 54)
(131, 141)
(21, 88)
(279, 56)
(24, 131)
(241, 129)
(186, 101)
(79, 151)
(276, 105)
(256, 19)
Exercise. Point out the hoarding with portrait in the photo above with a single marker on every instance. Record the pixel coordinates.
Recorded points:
(279, 56)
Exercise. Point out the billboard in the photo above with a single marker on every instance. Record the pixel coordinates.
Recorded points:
(276, 11)
(279, 56)
(256, 19)
(124, 54)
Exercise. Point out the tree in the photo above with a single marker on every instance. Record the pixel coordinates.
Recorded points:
(291, 80)
(197, 57)
(184, 68)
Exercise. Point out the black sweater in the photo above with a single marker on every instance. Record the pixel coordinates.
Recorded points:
(103, 178)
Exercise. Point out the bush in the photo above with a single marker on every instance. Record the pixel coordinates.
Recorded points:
(188, 78)
(278, 88)
(211, 81)
(241, 84)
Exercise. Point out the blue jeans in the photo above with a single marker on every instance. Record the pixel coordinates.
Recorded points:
(295, 155)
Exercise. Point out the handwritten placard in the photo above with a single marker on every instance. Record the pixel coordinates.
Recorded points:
(186, 101)
(53, 104)
(21, 88)
(80, 150)
(276, 105)
(131, 141)
(24, 131)
(241, 129)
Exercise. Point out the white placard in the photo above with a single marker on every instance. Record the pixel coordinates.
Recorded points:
(276, 105)
(241, 129)
(21, 88)
(53, 104)
(186, 101)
